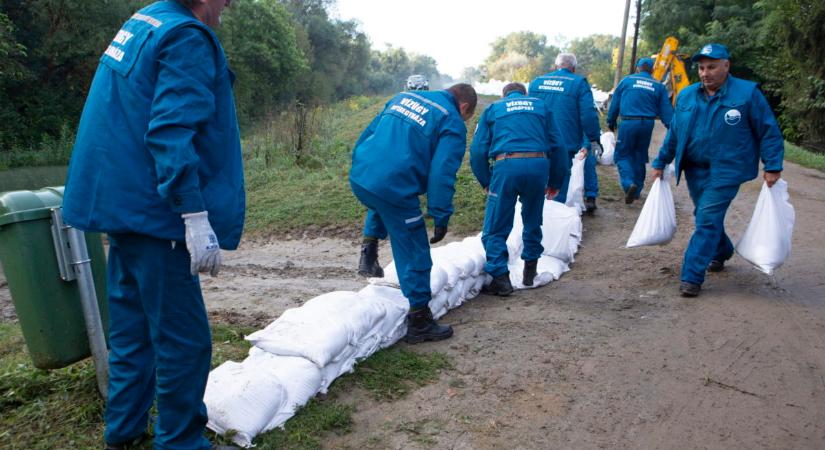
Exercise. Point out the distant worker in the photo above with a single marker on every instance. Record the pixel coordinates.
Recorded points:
(722, 128)
(570, 98)
(638, 100)
(518, 133)
(413, 147)
(157, 166)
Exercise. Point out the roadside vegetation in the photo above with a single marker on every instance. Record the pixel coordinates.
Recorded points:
(61, 409)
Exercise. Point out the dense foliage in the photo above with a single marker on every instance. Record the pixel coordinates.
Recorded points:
(775, 42)
(282, 51)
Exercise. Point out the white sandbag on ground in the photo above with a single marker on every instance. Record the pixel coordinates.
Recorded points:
(608, 141)
(515, 244)
(322, 329)
(300, 378)
(575, 186)
(243, 399)
(561, 228)
(656, 224)
(475, 248)
(767, 241)
(395, 304)
(548, 269)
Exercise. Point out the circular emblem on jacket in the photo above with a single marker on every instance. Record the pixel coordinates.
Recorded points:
(732, 117)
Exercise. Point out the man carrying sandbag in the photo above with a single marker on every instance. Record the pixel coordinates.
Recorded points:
(569, 96)
(638, 100)
(519, 134)
(413, 147)
(722, 127)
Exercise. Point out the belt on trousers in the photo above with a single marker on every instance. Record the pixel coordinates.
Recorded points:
(520, 155)
(637, 118)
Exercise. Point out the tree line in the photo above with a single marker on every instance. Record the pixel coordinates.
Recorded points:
(282, 51)
(778, 43)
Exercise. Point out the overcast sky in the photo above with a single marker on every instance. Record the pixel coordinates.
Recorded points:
(458, 33)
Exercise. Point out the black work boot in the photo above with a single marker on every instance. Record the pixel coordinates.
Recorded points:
(716, 265)
(499, 286)
(529, 272)
(368, 265)
(689, 289)
(630, 195)
(421, 327)
(590, 205)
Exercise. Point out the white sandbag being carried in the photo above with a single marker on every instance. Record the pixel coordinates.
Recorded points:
(575, 187)
(560, 224)
(242, 398)
(767, 241)
(608, 141)
(656, 224)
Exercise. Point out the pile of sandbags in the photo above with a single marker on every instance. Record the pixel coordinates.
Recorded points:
(307, 348)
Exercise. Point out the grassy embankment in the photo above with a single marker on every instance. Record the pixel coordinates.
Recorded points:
(60, 409)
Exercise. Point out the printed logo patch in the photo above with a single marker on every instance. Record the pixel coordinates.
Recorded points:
(733, 117)
(707, 49)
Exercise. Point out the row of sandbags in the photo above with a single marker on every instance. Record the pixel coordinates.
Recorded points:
(307, 348)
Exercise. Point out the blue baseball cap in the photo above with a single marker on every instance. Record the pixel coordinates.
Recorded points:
(645, 61)
(712, 51)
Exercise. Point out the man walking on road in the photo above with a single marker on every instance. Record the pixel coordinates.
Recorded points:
(413, 147)
(157, 166)
(638, 100)
(570, 98)
(519, 134)
(721, 129)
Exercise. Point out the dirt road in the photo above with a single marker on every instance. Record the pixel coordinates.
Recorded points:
(610, 356)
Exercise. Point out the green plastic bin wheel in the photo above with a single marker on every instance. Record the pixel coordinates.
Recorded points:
(48, 308)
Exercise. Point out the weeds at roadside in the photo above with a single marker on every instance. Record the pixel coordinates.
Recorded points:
(804, 157)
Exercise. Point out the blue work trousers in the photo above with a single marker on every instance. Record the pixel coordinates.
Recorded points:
(512, 179)
(403, 221)
(709, 240)
(160, 343)
(631, 152)
(591, 179)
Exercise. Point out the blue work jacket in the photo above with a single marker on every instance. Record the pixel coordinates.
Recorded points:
(570, 98)
(413, 147)
(158, 136)
(517, 123)
(640, 95)
(739, 129)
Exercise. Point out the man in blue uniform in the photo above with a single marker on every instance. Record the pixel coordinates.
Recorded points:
(569, 96)
(413, 147)
(638, 100)
(722, 127)
(157, 166)
(519, 134)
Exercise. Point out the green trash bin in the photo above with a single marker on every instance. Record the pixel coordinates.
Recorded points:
(48, 308)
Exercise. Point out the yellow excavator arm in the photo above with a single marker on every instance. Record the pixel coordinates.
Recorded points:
(669, 68)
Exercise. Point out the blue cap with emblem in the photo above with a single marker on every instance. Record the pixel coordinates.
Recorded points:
(712, 51)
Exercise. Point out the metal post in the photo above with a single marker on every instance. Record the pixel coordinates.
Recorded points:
(81, 264)
(620, 62)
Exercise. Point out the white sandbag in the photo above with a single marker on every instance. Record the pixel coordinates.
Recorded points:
(608, 141)
(438, 278)
(316, 333)
(560, 225)
(455, 295)
(461, 256)
(243, 399)
(656, 224)
(446, 263)
(475, 249)
(361, 315)
(517, 270)
(514, 242)
(479, 283)
(334, 370)
(575, 186)
(396, 305)
(767, 241)
(438, 304)
(300, 378)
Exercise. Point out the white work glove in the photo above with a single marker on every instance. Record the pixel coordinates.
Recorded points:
(202, 244)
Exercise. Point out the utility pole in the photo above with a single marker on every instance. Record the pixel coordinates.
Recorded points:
(636, 34)
(620, 62)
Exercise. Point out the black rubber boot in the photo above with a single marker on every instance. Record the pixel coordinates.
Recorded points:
(499, 286)
(368, 265)
(590, 205)
(689, 289)
(716, 266)
(421, 327)
(630, 195)
(529, 272)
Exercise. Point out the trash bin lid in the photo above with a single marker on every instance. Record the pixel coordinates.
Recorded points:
(21, 206)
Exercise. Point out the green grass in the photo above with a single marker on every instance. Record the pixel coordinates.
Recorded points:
(60, 409)
(51, 151)
(804, 157)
